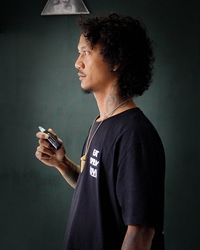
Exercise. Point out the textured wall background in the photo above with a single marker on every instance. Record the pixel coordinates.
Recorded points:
(39, 86)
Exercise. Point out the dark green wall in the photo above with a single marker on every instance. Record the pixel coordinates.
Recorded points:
(39, 86)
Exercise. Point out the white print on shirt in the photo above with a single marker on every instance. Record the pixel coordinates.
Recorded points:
(93, 172)
(95, 153)
(94, 162)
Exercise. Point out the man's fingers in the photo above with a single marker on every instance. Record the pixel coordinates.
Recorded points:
(46, 151)
(44, 143)
(41, 156)
(42, 135)
(52, 132)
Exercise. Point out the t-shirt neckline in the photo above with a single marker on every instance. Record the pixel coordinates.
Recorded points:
(118, 115)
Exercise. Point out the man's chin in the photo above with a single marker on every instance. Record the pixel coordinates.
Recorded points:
(86, 91)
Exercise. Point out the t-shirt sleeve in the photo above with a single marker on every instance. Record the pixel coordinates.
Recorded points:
(138, 188)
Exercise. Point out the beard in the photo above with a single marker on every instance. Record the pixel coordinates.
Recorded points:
(86, 91)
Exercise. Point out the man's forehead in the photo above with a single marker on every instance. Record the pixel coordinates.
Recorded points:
(83, 42)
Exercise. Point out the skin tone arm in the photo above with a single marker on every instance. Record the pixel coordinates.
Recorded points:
(138, 238)
(57, 159)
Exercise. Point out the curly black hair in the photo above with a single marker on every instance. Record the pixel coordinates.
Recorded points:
(124, 43)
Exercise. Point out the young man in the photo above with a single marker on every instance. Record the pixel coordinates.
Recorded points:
(118, 200)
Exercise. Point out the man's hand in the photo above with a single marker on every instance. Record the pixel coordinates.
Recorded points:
(46, 153)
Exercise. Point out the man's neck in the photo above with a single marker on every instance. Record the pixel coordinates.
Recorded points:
(108, 103)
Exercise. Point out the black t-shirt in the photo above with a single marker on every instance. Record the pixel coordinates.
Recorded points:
(122, 184)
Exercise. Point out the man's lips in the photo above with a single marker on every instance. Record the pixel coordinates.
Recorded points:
(81, 75)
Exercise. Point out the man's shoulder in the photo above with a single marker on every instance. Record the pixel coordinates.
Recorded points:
(132, 120)
(135, 125)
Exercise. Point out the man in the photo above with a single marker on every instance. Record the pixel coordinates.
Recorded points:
(118, 199)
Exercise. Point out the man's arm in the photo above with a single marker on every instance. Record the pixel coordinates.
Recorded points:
(69, 170)
(138, 238)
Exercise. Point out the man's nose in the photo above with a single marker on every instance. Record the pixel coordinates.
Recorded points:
(79, 63)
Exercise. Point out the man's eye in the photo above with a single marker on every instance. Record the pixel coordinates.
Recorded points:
(86, 52)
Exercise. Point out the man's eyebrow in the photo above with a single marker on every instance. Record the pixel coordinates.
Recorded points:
(83, 47)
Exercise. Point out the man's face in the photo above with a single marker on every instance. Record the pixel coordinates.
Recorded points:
(94, 73)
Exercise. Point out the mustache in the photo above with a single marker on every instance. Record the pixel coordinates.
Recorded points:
(80, 73)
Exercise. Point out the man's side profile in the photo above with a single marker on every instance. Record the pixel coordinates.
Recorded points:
(118, 200)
